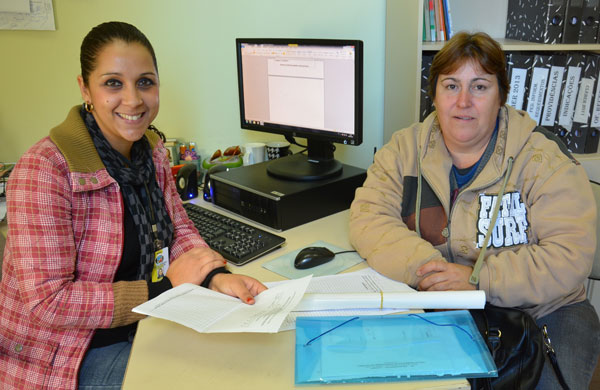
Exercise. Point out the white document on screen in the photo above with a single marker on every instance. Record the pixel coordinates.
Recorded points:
(207, 311)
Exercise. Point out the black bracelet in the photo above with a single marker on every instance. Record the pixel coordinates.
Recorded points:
(211, 275)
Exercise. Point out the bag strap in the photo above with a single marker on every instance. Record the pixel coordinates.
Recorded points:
(474, 279)
(552, 356)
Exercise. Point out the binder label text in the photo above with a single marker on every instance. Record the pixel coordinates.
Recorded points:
(567, 106)
(552, 95)
(517, 88)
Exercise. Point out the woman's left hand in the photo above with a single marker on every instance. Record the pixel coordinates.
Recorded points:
(241, 286)
(438, 275)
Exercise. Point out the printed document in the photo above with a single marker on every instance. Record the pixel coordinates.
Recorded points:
(208, 311)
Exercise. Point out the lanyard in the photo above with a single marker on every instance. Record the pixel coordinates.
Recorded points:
(158, 244)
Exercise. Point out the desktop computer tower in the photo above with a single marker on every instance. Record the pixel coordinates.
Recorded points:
(283, 204)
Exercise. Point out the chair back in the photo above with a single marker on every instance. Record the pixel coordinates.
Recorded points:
(595, 274)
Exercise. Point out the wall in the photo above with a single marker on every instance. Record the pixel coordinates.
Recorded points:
(195, 45)
(469, 18)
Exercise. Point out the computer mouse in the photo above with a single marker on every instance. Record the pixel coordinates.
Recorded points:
(313, 256)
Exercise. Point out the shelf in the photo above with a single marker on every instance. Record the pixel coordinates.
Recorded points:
(511, 44)
(404, 51)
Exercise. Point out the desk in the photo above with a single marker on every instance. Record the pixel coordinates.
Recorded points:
(166, 355)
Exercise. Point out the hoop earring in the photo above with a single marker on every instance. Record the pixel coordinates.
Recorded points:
(89, 107)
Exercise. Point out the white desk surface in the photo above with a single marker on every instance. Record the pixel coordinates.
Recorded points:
(166, 355)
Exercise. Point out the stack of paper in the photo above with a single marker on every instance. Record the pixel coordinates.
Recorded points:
(361, 293)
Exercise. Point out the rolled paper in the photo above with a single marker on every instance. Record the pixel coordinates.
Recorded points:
(395, 300)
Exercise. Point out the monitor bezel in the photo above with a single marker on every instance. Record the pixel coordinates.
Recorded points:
(303, 132)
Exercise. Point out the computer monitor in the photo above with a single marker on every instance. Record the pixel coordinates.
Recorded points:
(309, 88)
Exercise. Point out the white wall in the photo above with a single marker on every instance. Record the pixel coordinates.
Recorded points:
(194, 42)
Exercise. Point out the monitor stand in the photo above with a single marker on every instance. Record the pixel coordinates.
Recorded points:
(297, 167)
(318, 165)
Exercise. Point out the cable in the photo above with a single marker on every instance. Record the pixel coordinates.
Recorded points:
(330, 330)
(339, 253)
(436, 324)
(292, 140)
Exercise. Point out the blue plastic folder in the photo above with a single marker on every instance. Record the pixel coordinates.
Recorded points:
(438, 345)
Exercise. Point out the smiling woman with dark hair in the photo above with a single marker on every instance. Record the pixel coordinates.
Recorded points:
(479, 176)
(96, 227)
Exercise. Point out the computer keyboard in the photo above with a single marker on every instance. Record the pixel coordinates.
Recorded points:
(234, 240)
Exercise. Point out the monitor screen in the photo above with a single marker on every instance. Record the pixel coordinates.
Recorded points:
(309, 88)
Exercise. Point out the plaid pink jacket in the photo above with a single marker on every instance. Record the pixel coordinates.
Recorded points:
(64, 245)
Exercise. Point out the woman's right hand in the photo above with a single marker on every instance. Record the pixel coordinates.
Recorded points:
(194, 265)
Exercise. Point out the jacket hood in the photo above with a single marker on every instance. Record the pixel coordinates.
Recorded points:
(508, 144)
(512, 118)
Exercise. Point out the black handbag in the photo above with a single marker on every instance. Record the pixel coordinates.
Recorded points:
(518, 348)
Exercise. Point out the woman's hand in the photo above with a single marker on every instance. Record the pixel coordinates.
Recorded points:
(240, 286)
(438, 275)
(193, 266)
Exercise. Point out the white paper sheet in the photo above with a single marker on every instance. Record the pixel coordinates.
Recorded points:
(364, 280)
(207, 311)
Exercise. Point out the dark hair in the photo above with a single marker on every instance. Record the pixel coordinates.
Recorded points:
(104, 34)
(476, 47)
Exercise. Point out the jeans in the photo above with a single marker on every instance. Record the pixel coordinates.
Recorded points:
(574, 331)
(104, 368)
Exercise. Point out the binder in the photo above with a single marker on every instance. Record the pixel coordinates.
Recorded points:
(390, 348)
(556, 80)
(518, 67)
(593, 135)
(536, 21)
(572, 21)
(439, 20)
(448, 19)
(585, 97)
(432, 23)
(424, 24)
(426, 28)
(588, 30)
(575, 64)
(537, 86)
(553, 20)
(591, 142)
(426, 105)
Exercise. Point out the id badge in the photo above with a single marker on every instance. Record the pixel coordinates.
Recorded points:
(161, 264)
